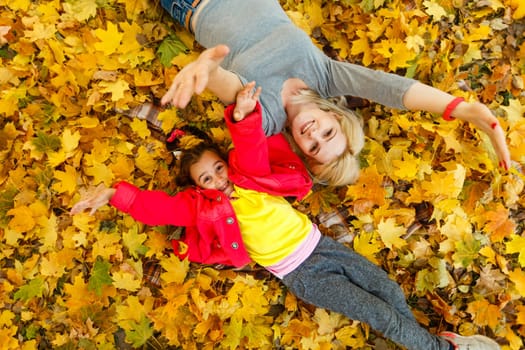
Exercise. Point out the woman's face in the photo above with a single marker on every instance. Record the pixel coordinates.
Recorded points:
(318, 133)
(211, 172)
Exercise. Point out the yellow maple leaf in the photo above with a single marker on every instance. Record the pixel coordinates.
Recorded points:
(396, 52)
(40, 31)
(498, 224)
(129, 38)
(406, 169)
(156, 243)
(106, 245)
(140, 127)
(514, 111)
(70, 140)
(368, 186)
(145, 161)
(100, 152)
(473, 53)
(434, 9)
(54, 159)
(115, 88)
(80, 10)
(176, 270)
(484, 314)
(329, 322)
(446, 183)
(67, 180)
(122, 167)
(519, 9)
(391, 233)
(126, 280)
(362, 46)
(50, 266)
(147, 78)
(516, 245)
(132, 309)
(22, 220)
(351, 336)
(367, 244)
(100, 172)
(109, 39)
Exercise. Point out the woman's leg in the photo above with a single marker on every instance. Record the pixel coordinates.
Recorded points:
(182, 11)
(336, 278)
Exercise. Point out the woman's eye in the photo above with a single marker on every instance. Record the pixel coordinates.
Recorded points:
(328, 133)
(314, 147)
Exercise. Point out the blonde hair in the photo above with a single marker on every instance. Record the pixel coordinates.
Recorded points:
(343, 170)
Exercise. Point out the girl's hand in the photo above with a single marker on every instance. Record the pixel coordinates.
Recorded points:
(481, 116)
(94, 199)
(246, 101)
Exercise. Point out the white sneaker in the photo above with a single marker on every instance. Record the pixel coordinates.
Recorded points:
(473, 342)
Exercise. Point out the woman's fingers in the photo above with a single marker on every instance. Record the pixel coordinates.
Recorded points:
(194, 78)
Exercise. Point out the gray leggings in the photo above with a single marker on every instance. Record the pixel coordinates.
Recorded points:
(338, 279)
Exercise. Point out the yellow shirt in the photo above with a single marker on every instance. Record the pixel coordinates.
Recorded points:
(271, 228)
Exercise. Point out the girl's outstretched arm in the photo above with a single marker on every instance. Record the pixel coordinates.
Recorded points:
(204, 73)
(426, 98)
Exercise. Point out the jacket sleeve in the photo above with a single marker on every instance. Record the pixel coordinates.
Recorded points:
(155, 207)
(250, 153)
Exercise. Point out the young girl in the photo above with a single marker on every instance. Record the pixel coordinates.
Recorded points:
(235, 212)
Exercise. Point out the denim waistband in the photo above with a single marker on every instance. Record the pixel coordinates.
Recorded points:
(181, 10)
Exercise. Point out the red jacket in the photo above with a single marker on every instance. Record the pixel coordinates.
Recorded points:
(213, 236)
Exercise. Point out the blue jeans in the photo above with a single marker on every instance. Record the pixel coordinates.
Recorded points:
(338, 279)
(181, 10)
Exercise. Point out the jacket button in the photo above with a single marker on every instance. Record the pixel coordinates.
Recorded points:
(229, 220)
(235, 245)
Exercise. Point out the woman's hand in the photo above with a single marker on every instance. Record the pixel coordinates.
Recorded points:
(94, 199)
(203, 73)
(246, 100)
(423, 97)
(481, 116)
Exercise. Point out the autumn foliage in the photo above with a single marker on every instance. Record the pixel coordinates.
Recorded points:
(432, 207)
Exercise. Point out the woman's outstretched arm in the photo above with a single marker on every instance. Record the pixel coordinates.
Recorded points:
(426, 98)
(203, 73)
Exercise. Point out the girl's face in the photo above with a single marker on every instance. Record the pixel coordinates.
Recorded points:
(211, 172)
(318, 133)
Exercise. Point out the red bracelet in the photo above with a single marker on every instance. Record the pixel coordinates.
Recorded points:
(450, 107)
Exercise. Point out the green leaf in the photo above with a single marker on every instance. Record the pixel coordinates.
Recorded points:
(140, 332)
(99, 276)
(35, 288)
(7, 201)
(170, 47)
(45, 143)
(466, 251)
(133, 241)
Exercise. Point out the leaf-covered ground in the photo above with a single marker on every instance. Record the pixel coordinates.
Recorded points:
(432, 208)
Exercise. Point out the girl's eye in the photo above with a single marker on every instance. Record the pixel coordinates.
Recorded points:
(206, 180)
(328, 133)
(314, 147)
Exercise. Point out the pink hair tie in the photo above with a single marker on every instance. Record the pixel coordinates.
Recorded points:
(450, 107)
(175, 134)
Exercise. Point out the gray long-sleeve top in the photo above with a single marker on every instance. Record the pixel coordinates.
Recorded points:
(266, 46)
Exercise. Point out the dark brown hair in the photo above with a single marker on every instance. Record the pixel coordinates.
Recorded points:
(192, 156)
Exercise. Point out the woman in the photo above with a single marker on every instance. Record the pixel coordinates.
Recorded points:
(298, 77)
